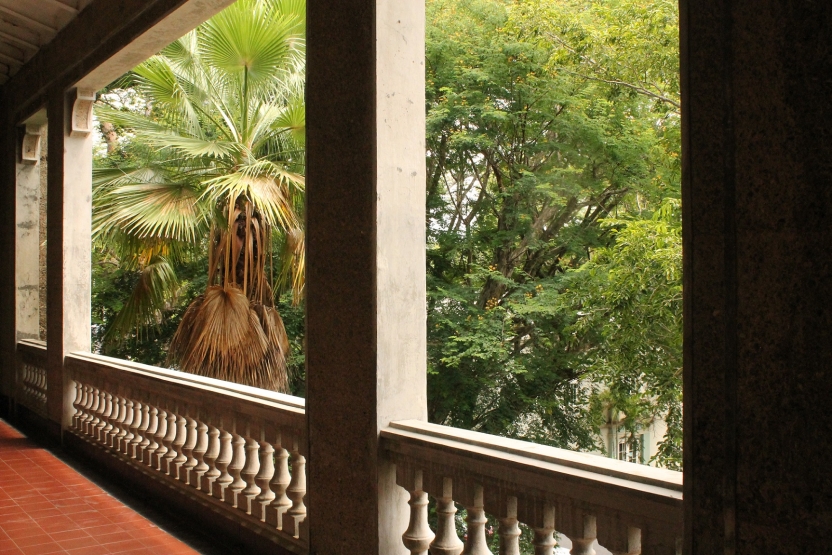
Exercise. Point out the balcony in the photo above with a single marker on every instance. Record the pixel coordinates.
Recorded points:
(240, 453)
(757, 304)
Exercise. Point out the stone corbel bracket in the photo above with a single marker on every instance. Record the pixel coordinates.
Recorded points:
(82, 113)
(30, 150)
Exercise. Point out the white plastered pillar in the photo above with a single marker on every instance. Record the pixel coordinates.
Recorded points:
(68, 250)
(27, 232)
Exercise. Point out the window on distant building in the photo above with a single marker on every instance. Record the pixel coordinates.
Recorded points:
(629, 448)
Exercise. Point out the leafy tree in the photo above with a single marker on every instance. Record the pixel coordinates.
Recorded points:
(525, 163)
(216, 162)
(628, 299)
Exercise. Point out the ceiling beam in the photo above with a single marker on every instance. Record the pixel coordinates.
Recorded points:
(24, 43)
(29, 21)
(60, 5)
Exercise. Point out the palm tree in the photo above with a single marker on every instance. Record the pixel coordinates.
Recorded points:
(217, 163)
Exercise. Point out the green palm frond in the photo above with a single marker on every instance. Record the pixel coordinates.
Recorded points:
(151, 210)
(247, 39)
(155, 287)
(193, 147)
(131, 120)
(158, 80)
(183, 54)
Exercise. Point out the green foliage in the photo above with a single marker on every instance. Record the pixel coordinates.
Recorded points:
(628, 298)
(553, 256)
(211, 160)
(530, 152)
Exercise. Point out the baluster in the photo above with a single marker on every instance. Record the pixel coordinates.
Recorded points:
(475, 543)
(296, 492)
(418, 535)
(220, 485)
(115, 419)
(264, 476)
(544, 539)
(135, 426)
(279, 483)
(510, 530)
(124, 440)
(178, 444)
(201, 447)
(158, 456)
(188, 449)
(41, 386)
(93, 419)
(35, 387)
(446, 541)
(166, 465)
(250, 470)
(138, 450)
(238, 459)
(152, 429)
(78, 403)
(105, 425)
(583, 545)
(210, 458)
(633, 543)
(101, 413)
(24, 374)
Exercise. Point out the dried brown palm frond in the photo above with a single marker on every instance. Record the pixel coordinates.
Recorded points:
(225, 336)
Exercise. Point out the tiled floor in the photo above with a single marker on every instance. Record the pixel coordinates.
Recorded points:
(47, 507)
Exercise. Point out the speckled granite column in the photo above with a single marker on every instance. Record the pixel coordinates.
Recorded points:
(757, 95)
(8, 150)
(365, 264)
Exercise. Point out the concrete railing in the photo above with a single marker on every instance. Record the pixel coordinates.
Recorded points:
(625, 507)
(240, 449)
(31, 376)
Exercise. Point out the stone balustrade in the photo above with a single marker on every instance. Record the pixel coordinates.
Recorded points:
(31, 375)
(627, 508)
(241, 449)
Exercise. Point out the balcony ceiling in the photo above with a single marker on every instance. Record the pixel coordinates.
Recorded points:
(28, 25)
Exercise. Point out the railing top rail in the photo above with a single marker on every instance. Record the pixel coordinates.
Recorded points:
(272, 396)
(32, 346)
(186, 385)
(536, 471)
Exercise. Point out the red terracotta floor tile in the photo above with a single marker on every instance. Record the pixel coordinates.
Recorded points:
(40, 539)
(42, 549)
(46, 507)
(87, 541)
(68, 535)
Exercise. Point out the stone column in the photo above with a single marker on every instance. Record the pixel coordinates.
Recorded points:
(27, 240)
(366, 264)
(8, 152)
(69, 209)
(758, 275)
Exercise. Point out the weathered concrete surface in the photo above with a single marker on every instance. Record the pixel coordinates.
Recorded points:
(365, 265)
(758, 275)
(27, 251)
